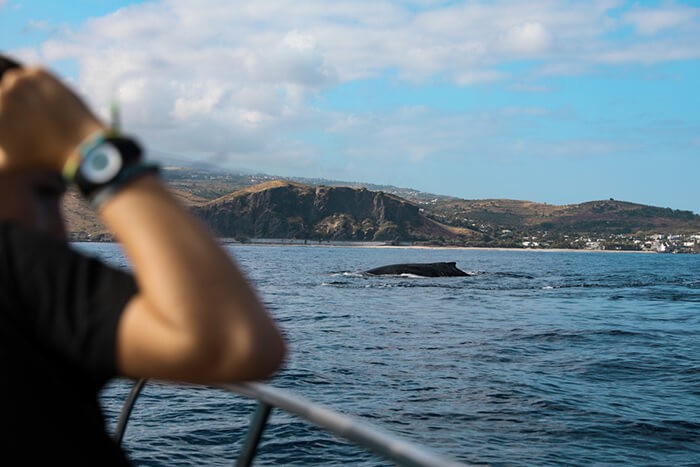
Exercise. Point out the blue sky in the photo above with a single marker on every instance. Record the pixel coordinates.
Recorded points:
(551, 101)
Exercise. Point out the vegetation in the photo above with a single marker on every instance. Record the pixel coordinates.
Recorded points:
(247, 207)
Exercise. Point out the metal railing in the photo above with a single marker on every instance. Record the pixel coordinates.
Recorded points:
(359, 432)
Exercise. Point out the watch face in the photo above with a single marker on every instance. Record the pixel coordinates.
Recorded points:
(101, 164)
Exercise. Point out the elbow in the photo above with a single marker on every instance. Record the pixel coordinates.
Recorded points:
(252, 356)
(243, 344)
(273, 356)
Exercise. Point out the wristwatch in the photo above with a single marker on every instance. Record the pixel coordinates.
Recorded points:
(106, 164)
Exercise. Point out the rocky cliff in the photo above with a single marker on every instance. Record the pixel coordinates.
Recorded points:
(282, 209)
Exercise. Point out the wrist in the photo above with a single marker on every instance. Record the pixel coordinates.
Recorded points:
(105, 163)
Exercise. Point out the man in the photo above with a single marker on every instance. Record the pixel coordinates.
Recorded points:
(69, 323)
(32, 198)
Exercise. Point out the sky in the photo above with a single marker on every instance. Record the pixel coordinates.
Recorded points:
(552, 101)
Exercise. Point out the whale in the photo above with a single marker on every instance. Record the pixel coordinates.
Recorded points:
(444, 269)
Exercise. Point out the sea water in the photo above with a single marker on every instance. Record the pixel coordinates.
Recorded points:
(535, 358)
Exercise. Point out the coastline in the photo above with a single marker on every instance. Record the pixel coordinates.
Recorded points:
(358, 244)
(406, 245)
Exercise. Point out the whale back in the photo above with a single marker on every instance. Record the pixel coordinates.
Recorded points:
(440, 269)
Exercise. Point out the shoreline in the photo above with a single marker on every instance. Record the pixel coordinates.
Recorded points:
(358, 244)
(378, 245)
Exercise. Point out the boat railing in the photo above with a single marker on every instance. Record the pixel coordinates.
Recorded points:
(359, 432)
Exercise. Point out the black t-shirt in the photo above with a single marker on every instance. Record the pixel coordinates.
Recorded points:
(59, 311)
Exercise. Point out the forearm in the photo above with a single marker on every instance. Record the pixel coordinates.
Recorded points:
(178, 264)
(191, 286)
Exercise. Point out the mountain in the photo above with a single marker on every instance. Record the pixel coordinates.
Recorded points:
(284, 209)
(604, 217)
(250, 206)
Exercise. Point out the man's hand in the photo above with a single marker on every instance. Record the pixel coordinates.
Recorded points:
(42, 122)
(7, 63)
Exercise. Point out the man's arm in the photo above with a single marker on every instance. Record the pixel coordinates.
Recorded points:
(196, 317)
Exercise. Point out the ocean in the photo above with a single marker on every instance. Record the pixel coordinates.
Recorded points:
(536, 358)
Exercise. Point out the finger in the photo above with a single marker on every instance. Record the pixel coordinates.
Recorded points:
(12, 88)
(7, 63)
(17, 92)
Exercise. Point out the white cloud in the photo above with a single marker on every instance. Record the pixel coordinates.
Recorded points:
(36, 25)
(298, 41)
(479, 76)
(235, 78)
(670, 16)
(314, 44)
(527, 38)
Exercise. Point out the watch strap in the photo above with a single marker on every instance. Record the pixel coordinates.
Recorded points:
(126, 176)
(131, 166)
